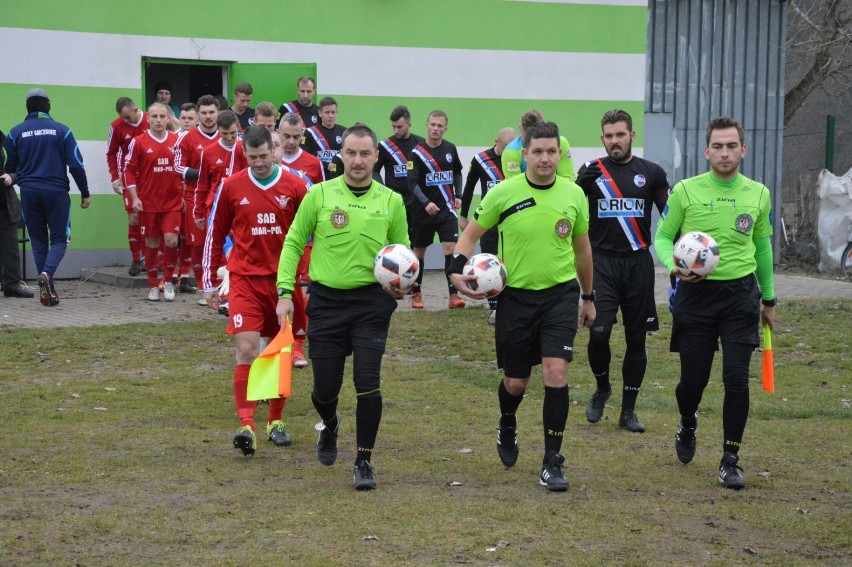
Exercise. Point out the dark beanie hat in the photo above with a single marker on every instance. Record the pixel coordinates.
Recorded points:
(162, 86)
(38, 101)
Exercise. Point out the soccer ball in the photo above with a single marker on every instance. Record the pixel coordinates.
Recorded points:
(396, 267)
(489, 271)
(696, 253)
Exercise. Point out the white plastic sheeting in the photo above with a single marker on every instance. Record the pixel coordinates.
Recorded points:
(835, 218)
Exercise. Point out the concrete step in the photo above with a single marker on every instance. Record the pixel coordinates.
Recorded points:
(117, 276)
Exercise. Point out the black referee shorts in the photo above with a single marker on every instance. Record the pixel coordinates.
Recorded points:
(532, 324)
(626, 282)
(711, 309)
(343, 319)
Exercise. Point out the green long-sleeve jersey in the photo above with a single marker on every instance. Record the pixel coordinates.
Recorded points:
(348, 232)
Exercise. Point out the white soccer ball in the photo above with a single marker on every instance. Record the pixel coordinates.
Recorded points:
(489, 271)
(696, 253)
(396, 267)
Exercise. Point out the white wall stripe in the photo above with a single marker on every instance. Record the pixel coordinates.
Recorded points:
(107, 60)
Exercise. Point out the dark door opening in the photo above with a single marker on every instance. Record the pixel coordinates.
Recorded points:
(188, 81)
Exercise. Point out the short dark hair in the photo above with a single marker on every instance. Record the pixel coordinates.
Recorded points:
(266, 109)
(188, 106)
(326, 101)
(531, 118)
(256, 136)
(223, 102)
(243, 88)
(227, 118)
(122, 103)
(306, 79)
(617, 115)
(722, 123)
(541, 130)
(400, 112)
(360, 130)
(208, 100)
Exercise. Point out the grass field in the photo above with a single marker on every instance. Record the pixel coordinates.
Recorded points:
(119, 453)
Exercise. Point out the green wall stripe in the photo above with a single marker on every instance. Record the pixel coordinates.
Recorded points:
(473, 122)
(88, 111)
(103, 226)
(470, 24)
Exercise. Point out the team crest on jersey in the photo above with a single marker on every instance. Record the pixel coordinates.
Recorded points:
(568, 154)
(639, 180)
(410, 164)
(743, 223)
(563, 228)
(339, 218)
(313, 119)
(283, 200)
(449, 158)
(514, 166)
(251, 121)
(339, 139)
(332, 167)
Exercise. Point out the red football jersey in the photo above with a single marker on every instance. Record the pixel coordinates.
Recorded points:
(308, 164)
(150, 166)
(217, 163)
(188, 150)
(258, 217)
(120, 135)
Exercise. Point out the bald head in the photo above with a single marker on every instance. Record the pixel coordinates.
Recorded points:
(504, 136)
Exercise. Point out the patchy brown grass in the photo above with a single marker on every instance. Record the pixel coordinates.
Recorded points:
(118, 451)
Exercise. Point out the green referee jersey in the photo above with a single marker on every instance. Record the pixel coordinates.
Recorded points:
(735, 213)
(348, 232)
(537, 228)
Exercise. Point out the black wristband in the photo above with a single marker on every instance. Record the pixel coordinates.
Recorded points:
(457, 264)
(769, 302)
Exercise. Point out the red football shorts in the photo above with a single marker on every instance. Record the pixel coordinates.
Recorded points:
(154, 225)
(251, 305)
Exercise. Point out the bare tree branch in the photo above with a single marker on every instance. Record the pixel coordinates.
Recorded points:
(819, 47)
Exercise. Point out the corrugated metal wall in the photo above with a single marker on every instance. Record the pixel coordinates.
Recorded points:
(708, 58)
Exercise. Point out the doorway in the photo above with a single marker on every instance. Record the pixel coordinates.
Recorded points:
(189, 80)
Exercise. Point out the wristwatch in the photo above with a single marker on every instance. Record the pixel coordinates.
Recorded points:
(769, 302)
(285, 293)
(588, 297)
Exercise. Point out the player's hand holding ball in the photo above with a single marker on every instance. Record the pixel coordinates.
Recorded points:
(695, 255)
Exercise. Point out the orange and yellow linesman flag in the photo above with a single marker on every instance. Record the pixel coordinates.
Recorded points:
(768, 366)
(270, 373)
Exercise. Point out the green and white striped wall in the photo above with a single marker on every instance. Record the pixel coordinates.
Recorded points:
(484, 62)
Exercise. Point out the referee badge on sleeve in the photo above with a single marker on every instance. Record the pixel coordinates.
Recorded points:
(563, 228)
(339, 218)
